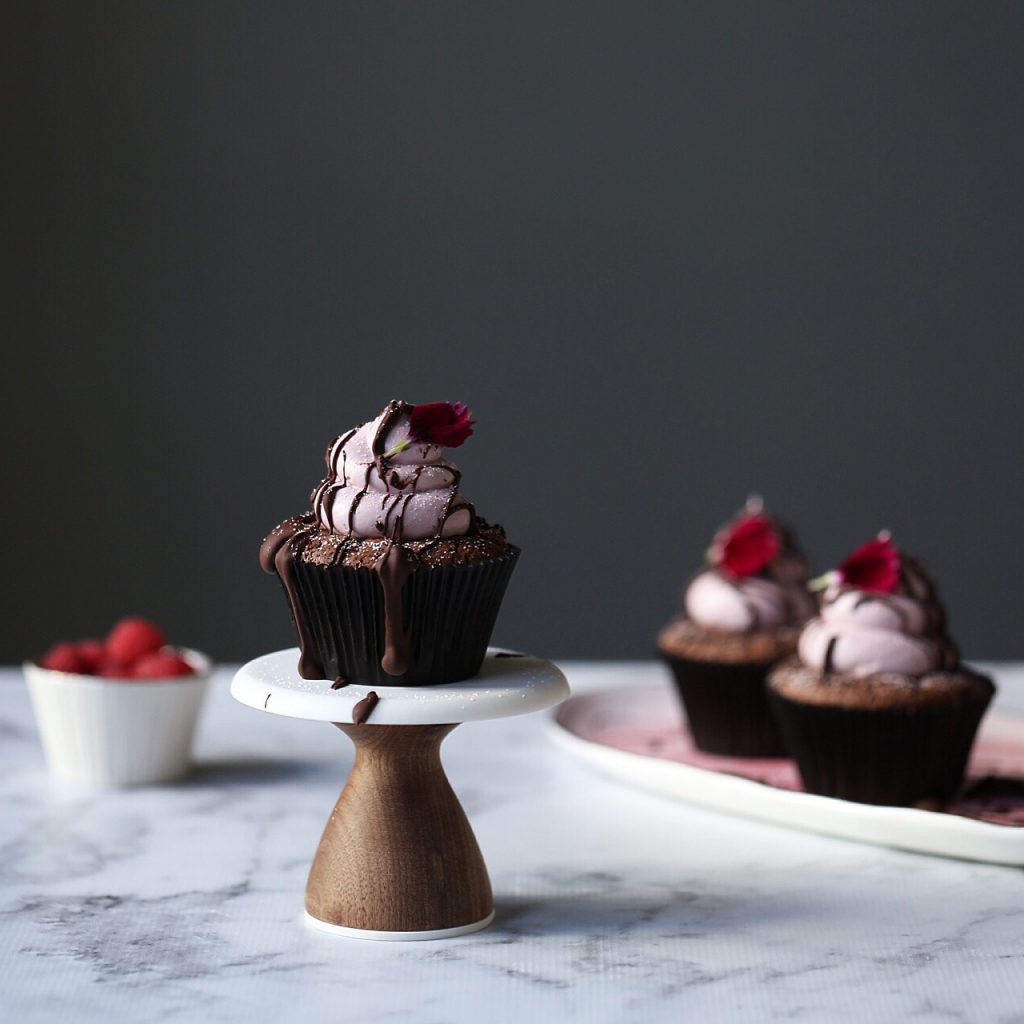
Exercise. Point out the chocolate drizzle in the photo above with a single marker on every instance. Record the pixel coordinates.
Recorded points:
(391, 415)
(355, 504)
(393, 570)
(277, 555)
(394, 567)
(362, 711)
(755, 615)
(829, 655)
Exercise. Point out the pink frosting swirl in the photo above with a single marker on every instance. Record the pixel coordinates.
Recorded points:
(861, 633)
(370, 492)
(742, 606)
(775, 598)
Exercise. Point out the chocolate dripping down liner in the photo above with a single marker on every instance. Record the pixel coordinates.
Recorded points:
(448, 614)
(897, 756)
(726, 706)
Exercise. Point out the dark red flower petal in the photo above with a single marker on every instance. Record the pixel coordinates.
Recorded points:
(444, 423)
(874, 566)
(750, 546)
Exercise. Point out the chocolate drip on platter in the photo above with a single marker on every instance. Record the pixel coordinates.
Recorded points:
(362, 711)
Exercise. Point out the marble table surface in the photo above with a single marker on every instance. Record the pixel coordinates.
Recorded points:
(184, 903)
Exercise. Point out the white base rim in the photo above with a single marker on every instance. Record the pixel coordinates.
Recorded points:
(378, 936)
(505, 686)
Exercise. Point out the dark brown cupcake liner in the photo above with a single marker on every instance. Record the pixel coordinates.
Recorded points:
(897, 756)
(726, 706)
(448, 611)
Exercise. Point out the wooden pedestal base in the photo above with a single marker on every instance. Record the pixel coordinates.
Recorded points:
(398, 854)
(398, 859)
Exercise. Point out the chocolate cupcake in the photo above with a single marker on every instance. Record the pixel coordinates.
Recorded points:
(741, 615)
(392, 578)
(877, 707)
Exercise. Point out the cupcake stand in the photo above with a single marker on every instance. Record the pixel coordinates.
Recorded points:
(398, 859)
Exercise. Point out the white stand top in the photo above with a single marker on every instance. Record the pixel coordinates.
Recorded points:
(505, 686)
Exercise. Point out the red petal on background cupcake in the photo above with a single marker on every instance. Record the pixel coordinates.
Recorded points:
(874, 566)
(750, 546)
(444, 423)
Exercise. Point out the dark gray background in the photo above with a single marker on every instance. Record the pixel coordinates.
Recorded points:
(668, 252)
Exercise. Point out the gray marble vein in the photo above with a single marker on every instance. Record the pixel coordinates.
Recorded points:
(184, 903)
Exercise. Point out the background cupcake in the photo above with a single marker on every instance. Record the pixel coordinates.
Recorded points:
(878, 707)
(393, 578)
(742, 614)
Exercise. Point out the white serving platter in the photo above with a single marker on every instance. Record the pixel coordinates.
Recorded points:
(636, 734)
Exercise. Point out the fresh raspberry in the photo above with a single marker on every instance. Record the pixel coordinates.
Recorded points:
(63, 658)
(92, 653)
(108, 669)
(161, 665)
(130, 639)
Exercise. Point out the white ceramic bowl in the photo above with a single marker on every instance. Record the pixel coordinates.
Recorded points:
(117, 732)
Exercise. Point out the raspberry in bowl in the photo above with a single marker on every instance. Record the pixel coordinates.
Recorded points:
(121, 711)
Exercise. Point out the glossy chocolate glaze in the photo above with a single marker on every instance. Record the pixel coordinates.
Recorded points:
(277, 555)
(393, 570)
